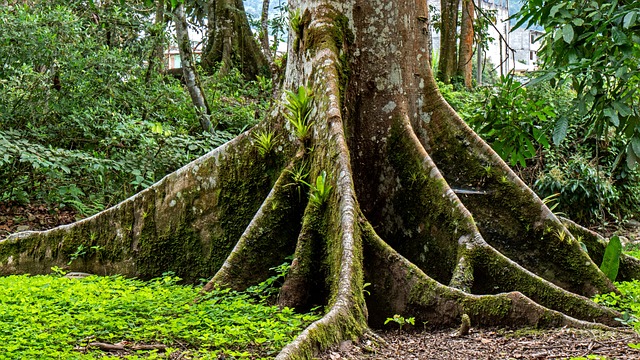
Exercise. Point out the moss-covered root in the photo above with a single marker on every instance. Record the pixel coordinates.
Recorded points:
(509, 215)
(305, 281)
(342, 257)
(495, 273)
(268, 238)
(596, 244)
(399, 287)
(188, 222)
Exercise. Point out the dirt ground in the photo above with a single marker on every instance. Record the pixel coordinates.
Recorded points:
(494, 344)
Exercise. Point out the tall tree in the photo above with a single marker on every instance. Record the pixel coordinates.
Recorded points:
(447, 64)
(465, 60)
(191, 79)
(405, 197)
(231, 41)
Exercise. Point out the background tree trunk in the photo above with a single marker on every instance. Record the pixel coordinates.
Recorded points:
(156, 57)
(447, 64)
(189, 70)
(231, 41)
(397, 159)
(465, 61)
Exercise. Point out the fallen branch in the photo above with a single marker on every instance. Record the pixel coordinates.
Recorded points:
(121, 347)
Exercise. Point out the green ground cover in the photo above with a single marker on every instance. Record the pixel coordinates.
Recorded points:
(53, 317)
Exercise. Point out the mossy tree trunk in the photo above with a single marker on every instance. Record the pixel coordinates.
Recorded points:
(421, 208)
(230, 40)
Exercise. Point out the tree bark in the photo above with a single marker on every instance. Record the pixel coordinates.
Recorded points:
(231, 41)
(156, 57)
(189, 72)
(264, 27)
(447, 64)
(397, 157)
(465, 61)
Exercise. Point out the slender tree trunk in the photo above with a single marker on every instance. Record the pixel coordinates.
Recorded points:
(465, 61)
(231, 41)
(189, 71)
(156, 57)
(419, 206)
(448, 40)
(264, 27)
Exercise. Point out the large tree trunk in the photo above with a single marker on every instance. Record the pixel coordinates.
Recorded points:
(230, 40)
(465, 61)
(420, 207)
(447, 64)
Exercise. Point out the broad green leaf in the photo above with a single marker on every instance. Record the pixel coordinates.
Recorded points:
(630, 19)
(560, 130)
(567, 33)
(619, 38)
(635, 145)
(611, 259)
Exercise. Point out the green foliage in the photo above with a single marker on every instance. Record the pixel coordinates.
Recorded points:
(268, 289)
(578, 168)
(400, 320)
(299, 174)
(299, 106)
(83, 123)
(611, 258)
(581, 188)
(73, 312)
(594, 46)
(628, 302)
(264, 141)
(513, 121)
(321, 190)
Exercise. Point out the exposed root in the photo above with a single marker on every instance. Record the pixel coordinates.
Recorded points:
(267, 240)
(415, 294)
(305, 280)
(596, 244)
(510, 217)
(495, 273)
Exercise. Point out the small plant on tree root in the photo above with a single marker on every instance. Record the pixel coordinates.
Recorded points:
(299, 174)
(264, 141)
(299, 105)
(321, 190)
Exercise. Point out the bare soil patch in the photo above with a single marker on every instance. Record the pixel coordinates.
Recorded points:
(491, 344)
(16, 217)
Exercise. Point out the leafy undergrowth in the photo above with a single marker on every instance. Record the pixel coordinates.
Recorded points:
(53, 317)
(628, 302)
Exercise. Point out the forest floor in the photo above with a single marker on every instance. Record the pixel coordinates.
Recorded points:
(412, 344)
(494, 344)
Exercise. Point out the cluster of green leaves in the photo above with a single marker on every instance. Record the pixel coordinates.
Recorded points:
(513, 121)
(46, 317)
(628, 302)
(299, 105)
(83, 122)
(595, 46)
(400, 320)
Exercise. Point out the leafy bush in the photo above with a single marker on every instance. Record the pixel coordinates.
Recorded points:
(83, 123)
(47, 317)
(538, 131)
(513, 121)
(628, 302)
(582, 187)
